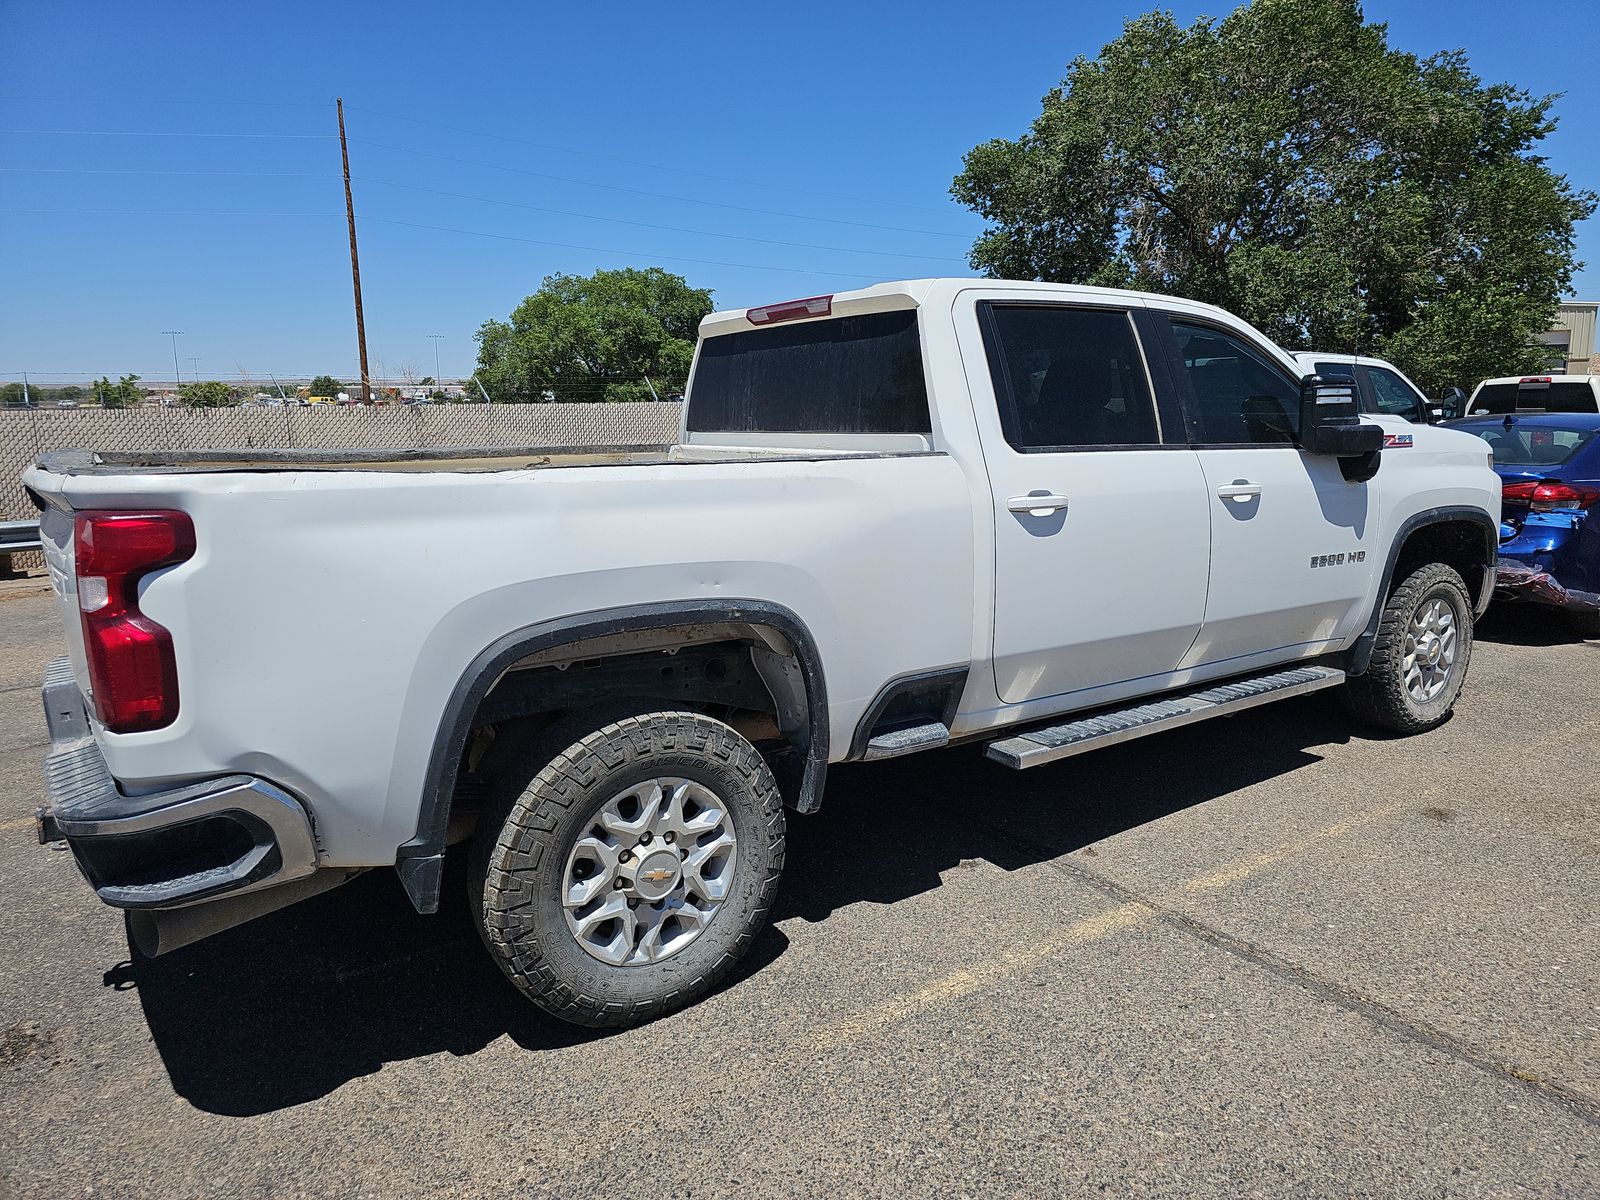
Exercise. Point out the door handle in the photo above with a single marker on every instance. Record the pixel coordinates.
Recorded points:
(1037, 506)
(1239, 491)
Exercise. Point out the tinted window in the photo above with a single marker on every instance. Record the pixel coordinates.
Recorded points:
(1394, 395)
(1500, 398)
(1239, 395)
(1068, 377)
(845, 375)
(1532, 445)
(1336, 370)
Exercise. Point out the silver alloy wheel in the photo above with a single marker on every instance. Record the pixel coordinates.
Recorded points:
(1430, 649)
(650, 872)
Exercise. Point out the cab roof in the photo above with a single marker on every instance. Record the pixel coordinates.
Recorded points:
(1538, 379)
(913, 293)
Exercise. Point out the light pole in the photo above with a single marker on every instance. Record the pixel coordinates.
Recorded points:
(194, 369)
(437, 382)
(174, 334)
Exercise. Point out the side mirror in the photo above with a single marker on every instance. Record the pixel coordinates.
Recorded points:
(1330, 419)
(1330, 423)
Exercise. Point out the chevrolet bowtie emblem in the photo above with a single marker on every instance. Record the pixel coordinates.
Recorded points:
(659, 875)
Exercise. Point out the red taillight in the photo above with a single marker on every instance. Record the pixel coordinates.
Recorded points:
(1543, 495)
(791, 310)
(132, 672)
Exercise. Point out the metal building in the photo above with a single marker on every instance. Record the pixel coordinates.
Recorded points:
(1571, 338)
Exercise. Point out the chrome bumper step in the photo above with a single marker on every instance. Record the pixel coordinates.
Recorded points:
(1052, 743)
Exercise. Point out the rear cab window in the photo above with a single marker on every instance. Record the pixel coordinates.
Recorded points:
(851, 374)
(1535, 395)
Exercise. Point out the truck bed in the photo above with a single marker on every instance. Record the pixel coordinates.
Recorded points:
(455, 458)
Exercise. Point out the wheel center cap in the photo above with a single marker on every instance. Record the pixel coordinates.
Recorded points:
(657, 875)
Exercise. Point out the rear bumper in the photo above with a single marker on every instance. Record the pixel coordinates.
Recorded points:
(170, 848)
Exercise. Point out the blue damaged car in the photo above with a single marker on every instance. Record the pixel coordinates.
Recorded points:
(1549, 467)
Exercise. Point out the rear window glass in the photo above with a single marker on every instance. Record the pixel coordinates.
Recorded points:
(1497, 398)
(843, 375)
(1532, 445)
(1068, 377)
(1336, 370)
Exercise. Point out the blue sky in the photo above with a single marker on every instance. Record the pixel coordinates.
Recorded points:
(822, 136)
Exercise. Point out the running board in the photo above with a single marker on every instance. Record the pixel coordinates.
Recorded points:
(907, 741)
(1040, 746)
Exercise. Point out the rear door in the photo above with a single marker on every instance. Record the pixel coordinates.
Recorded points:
(1101, 532)
(1292, 543)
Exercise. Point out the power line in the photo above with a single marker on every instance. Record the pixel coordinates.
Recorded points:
(649, 166)
(152, 171)
(611, 187)
(124, 101)
(562, 212)
(154, 134)
(503, 237)
(630, 162)
(153, 212)
(705, 262)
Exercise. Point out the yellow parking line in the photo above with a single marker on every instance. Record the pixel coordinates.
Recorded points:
(971, 979)
(1090, 929)
(1256, 863)
(24, 823)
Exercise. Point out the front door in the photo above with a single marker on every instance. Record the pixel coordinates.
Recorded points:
(1292, 543)
(1101, 534)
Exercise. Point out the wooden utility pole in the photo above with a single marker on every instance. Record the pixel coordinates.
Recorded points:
(355, 262)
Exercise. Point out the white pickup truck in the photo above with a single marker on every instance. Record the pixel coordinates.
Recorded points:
(1039, 517)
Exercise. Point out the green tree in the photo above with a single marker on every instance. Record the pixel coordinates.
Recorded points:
(125, 393)
(1286, 163)
(326, 385)
(205, 393)
(594, 337)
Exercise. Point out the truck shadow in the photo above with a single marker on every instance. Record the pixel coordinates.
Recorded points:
(1512, 624)
(292, 1006)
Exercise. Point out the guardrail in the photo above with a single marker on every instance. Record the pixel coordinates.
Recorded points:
(15, 537)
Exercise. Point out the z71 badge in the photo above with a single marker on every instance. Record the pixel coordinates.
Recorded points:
(1397, 441)
(1337, 560)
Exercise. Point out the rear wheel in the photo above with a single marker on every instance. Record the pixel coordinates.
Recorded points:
(1419, 660)
(633, 871)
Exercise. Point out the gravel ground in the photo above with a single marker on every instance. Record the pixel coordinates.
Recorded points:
(1268, 956)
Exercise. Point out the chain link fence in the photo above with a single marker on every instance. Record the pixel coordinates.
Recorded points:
(25, 434)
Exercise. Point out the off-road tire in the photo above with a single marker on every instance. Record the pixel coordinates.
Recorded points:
(1379, 696)
(521, 847)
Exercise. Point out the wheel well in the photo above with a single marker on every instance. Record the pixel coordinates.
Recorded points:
(1462, 545)
(1461, 538)
(747, 676)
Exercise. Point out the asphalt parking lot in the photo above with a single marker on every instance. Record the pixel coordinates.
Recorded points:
(1272, 955)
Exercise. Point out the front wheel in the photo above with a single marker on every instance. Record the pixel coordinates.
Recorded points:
(1420, 657)
(633, 871)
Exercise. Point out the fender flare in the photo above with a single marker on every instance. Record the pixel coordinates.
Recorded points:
(420, 861)
(1360, 654)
